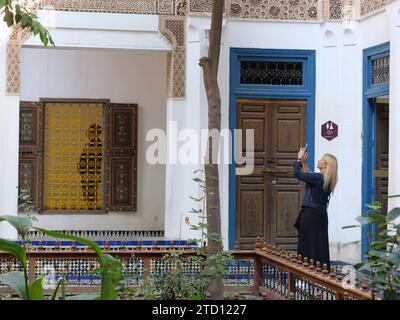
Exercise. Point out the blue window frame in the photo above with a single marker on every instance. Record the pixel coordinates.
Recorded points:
(370, 91)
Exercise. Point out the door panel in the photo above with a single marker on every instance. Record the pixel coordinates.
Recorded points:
(252, 189)
(268, 202)
(289, 128)
(382, 153)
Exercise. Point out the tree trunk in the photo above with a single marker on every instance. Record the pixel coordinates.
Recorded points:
(210, 75)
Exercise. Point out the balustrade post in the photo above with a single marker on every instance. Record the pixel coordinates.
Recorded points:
(31, 268)
(257, 273)
(146, 268)
(291, 284)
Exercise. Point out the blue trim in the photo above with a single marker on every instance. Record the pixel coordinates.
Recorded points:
(370, 91)
(242, 91)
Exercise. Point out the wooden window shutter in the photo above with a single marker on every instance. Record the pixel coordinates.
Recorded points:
(122, 127)
(30, 150)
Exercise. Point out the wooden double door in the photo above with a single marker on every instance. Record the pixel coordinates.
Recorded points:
(269, 199)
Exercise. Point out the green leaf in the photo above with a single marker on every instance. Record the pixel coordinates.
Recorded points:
(84, 297)
(44, 39)
(363, 220)
(377, 253)
(15, 249)
(196, 199)
(378, 245)
(377, 217)
(59, 283)
(22, 224)
(393, 215)
(35, 28)
(15, 280)
(395, 259)
(18, 18)
(36, 291)
(375, 206)
(25, 20)
(110, 278)
(9, 18)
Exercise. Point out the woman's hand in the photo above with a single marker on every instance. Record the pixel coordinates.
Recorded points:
(305, 157)
(300, 154)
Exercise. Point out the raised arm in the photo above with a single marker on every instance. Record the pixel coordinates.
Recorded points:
(312, 178)
(304, 164)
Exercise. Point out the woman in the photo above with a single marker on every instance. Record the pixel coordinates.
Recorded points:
(312, 222)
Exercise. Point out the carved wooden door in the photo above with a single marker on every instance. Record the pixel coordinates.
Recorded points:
(269, 199)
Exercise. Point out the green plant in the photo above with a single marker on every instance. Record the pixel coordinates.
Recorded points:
(184, 280)
(383, 256)
(15, 14)
(178, 282)
(110, 268)
(217, 262)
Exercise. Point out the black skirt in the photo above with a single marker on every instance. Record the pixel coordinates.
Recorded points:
(313, 242)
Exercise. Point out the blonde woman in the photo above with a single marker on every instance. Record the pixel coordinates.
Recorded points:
(312, 222)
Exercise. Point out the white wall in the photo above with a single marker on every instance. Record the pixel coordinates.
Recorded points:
(124, 76)
(186, 113)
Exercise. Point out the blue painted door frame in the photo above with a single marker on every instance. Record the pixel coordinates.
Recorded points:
(240, 91)
(370, 91)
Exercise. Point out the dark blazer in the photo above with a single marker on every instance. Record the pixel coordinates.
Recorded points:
(315, 196)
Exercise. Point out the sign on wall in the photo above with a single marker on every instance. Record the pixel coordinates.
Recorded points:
(329, 130)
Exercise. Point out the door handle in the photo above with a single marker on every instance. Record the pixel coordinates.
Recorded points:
(270, 160)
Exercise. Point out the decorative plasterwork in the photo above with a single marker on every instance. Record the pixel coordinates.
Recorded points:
(254, 9)
(13, 62)
(174, 29)
(336, 10)
(274, 9)
(157, 7)
(200, 6)
(370, 6)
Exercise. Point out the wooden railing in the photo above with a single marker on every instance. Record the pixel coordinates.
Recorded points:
(285, 275)
(265, 271)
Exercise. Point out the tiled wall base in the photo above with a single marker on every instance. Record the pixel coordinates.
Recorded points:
(104, 235)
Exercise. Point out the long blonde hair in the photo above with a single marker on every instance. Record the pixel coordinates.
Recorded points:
(330, 174)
